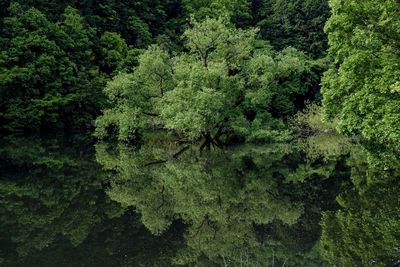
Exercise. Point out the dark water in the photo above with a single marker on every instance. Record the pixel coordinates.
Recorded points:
(66, 201)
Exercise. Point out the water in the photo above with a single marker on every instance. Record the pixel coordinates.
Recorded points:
(66, 201)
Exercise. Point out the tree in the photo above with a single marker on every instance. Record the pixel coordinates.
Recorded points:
(113, 50)
(362, 88)
(49, 79)
(137, 22)
(296, 23)
(224, 85)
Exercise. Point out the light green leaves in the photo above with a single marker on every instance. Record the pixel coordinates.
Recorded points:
(221, 84)
(362, 38)
(213, 39)
(192, 113)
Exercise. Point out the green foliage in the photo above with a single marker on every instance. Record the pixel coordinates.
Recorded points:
(184, 81)
(143, 37)
(278, 79)
(361, 88)
(114, 50)
(297, 23)
(237, 10)
(48, 76)
(136, 21)
(132, 96)
(222, 86)
(311, 121)
(55, 56)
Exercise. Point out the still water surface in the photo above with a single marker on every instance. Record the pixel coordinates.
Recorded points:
(66, 201)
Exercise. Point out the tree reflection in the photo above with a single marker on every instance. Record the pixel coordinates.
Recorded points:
(366, 229)
(166, 203)
(48, 189)
(242, 204)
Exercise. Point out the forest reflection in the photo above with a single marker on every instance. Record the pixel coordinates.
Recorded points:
(310, 202)
(247, 204)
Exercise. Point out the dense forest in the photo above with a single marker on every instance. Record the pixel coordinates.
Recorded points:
(56, 57)
(233, 124)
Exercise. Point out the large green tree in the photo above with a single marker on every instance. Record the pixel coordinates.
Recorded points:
(362, 88)
(227, 83)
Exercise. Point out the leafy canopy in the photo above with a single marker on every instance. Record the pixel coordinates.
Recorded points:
(226, 84)
(362, 88)
(48, 73)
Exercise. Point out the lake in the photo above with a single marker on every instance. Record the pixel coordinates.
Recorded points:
(67, 201)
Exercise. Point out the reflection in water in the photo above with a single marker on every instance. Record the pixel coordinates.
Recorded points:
(47, 189)
(366, 230)
(244, 205)
(168, 204)
(54, 212)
